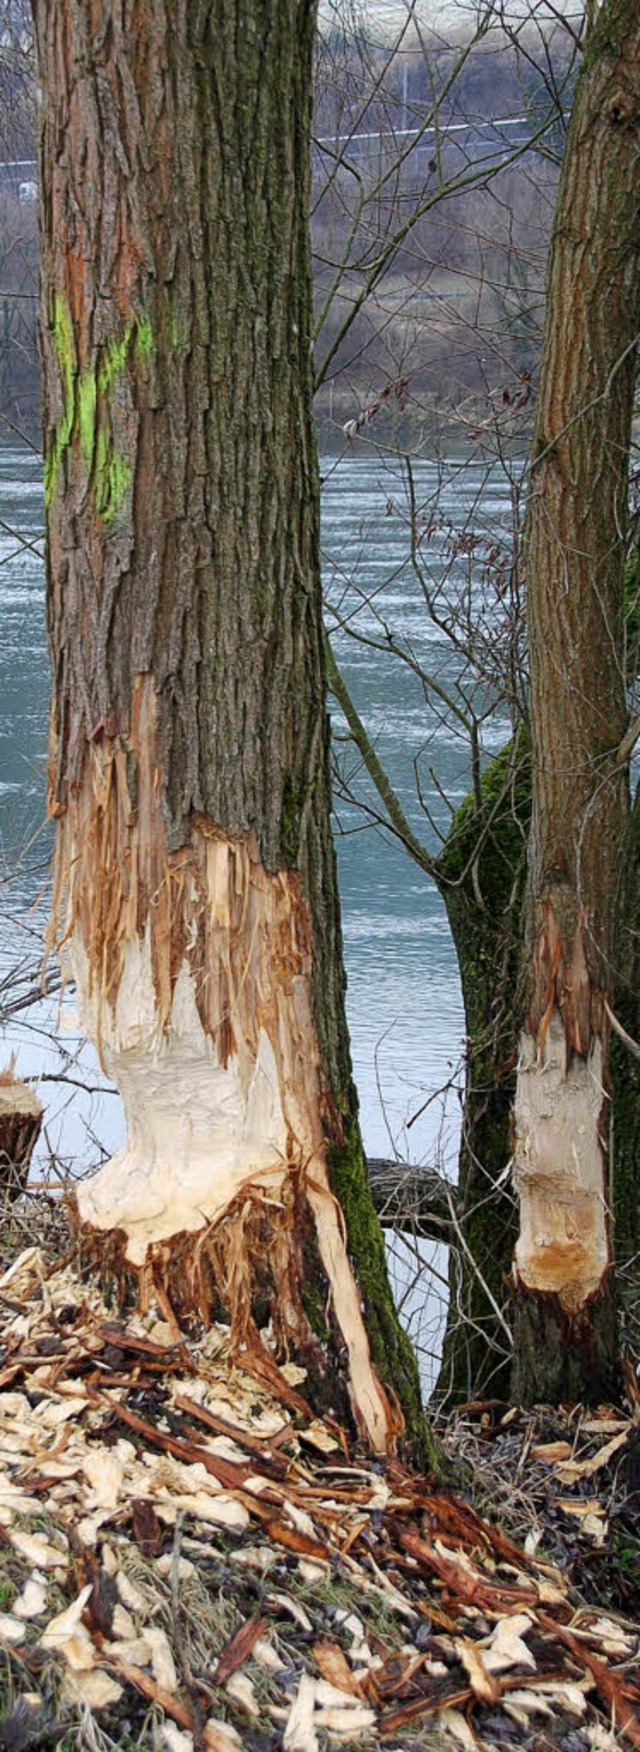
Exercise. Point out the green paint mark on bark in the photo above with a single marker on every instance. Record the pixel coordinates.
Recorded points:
(86, 410)
(62, 334)
(115, 359)
(143, 339)
(87, 402)
(113, 476)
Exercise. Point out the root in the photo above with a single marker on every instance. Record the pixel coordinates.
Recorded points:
(254, 1269)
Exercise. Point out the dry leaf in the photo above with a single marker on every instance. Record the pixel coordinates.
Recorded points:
(580, 1507)
(586, 1468)
(530, 1702)
(551, 1452)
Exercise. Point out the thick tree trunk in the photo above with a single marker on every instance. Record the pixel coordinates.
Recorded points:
(196, 886)
(565, 1325)
(481, 874)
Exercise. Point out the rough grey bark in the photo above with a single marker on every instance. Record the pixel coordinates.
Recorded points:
(575, 549)
(183, 551)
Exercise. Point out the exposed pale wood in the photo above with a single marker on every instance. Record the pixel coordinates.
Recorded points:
(575, 558)
(20, 1122)
(196, 895)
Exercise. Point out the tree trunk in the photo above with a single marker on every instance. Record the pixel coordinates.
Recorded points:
(625, 1088)
(20, 1122)
(481, 877)
(195, 876)
(574, 553)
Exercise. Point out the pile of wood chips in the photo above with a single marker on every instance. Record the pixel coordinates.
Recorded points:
(189, 1559)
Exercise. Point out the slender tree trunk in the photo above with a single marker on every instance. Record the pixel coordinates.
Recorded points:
(481, 877)
(565, 1320)
(195, 876)
(625, 1085)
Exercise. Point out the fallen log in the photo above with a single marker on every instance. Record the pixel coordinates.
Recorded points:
(20, 1122)
(414, 1199)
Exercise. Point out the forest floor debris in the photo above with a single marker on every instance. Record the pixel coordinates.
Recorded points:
(187, 1562)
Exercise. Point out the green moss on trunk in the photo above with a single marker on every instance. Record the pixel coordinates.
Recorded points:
(625, 1085)
(390, 1347)
(481, 875)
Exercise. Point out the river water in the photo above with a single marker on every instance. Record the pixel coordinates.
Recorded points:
(404, 1002)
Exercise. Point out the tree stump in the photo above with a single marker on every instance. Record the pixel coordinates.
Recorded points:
(20, 1121)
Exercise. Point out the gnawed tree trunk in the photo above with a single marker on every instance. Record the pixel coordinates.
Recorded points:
(564, 1314)
(481, 875)
(195, 877)
(625, 1087)
(20, 1122)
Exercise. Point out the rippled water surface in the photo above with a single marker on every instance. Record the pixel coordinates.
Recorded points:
(403, 995)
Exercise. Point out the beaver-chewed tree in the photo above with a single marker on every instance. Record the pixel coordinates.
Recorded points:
(195, 891)
(575, 563)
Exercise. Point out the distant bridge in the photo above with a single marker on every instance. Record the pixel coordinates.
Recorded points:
(17, 175)
(486, 142)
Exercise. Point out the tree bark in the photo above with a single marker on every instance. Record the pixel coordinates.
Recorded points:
(574, 556)
(481, 875)
(625, 1087)
(195, 875)
(20, 1122)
